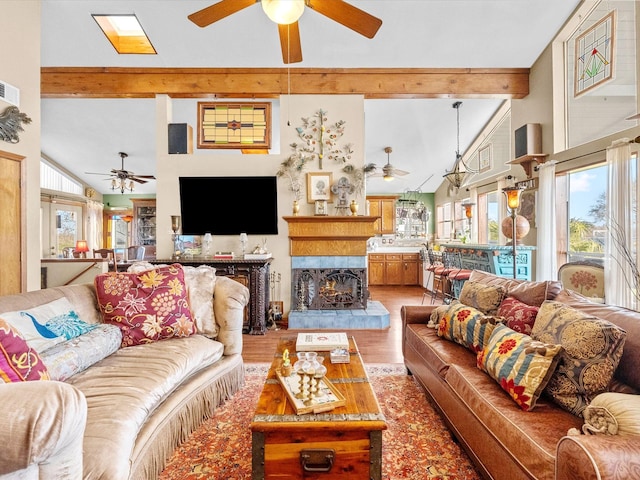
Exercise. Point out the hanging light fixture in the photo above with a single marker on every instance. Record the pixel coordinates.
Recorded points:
(283, 12)
(457, 176)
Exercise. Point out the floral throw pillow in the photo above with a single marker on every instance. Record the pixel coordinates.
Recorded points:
(147, 306)
(522, 366)
(467, 326)
(592, 350)
(19, 362)
(518, 315)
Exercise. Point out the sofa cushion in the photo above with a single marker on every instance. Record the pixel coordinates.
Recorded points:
(19, 361)
(467, 326)
(125, 388)
(521, 365)
(148, 306)
(592, 350)
(73, 356)
(531, 293)
(47, 325)
(486, 298)
(531, 438)
(200, 282)
(518, 315)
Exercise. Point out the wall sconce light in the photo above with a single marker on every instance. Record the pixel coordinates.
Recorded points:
(467, 209)
(512, 195)
(81, 248)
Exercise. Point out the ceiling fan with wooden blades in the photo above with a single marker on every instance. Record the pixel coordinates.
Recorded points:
(122, 179)
(388, 171)
(337, 10)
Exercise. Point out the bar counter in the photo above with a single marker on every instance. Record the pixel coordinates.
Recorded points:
(496, 259)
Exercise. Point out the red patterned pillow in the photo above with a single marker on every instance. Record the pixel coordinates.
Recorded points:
(18, 361)
(147, 306)
(518, 316)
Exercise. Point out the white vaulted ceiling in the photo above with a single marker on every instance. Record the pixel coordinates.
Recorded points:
(87, 134)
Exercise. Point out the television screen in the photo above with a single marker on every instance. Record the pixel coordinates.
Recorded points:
(217, 205)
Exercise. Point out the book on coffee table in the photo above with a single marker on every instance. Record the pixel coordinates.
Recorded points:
(321, 342)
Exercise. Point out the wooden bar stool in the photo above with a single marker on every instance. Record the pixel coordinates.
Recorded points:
(457, 276)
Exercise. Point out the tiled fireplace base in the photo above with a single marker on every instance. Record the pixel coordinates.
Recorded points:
(375, 316)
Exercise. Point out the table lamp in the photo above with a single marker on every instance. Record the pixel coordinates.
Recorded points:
(81, 248)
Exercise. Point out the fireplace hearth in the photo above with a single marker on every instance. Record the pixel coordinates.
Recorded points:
(329, 288)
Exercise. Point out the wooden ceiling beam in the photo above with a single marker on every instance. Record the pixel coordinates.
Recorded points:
(107, 82)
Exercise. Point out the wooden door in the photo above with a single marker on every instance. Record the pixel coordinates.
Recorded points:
(12, 277)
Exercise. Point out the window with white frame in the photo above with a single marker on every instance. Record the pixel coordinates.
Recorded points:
(53, 179)
(443, 219)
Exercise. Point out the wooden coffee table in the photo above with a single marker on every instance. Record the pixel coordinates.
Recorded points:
(345, 442)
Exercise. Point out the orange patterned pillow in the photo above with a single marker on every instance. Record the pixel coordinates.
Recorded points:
(148, 306)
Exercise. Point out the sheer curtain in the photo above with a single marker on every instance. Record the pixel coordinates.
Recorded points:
(473, 198)
(546, 257)
(94, 224)
(618, 270)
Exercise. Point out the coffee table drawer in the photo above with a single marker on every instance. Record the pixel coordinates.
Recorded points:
(315, 454)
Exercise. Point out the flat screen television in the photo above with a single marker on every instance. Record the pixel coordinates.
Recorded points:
(229, 205)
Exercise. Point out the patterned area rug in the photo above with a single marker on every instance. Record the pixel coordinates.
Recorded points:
(416, 446)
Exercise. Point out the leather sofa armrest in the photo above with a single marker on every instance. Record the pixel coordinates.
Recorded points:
(416, 313)
(582, 457)
(229, 299)
(42, 431)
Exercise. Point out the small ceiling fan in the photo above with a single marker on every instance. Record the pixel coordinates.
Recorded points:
(123, 179)
(389, 172)
(337, 10)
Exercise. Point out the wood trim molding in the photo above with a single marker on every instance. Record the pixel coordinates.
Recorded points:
(108, 82)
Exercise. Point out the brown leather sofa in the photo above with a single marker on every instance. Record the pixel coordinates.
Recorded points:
(504, 441)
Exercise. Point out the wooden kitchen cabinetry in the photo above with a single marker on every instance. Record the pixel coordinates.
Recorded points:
(144, 225)
(383, 206)
(394, 269)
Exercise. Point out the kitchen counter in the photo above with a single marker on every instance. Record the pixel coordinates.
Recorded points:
(496, 259)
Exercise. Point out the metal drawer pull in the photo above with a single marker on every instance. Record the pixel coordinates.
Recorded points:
(317, 459)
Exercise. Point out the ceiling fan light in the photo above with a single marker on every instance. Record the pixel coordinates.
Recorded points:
(283, 12)
(387, 177)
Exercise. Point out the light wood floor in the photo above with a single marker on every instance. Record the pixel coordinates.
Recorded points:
(376, 346)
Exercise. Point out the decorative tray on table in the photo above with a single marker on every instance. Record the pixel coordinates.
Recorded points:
(318, 394)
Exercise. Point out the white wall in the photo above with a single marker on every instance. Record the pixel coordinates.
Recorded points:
(20, 67)
(349, 108)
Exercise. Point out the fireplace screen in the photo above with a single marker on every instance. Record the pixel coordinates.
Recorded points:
(329, 288)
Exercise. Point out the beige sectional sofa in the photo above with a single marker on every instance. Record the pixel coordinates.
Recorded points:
(503, 440)
(122, 416)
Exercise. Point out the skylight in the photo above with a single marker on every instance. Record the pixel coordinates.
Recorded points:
(125, 33)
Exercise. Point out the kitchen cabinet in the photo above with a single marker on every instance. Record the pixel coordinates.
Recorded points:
(144, 225)
(394, 269)
(383, 206)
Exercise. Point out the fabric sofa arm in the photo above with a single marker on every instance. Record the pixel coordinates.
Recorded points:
(582, 457)
(43, 430)
(229, 299)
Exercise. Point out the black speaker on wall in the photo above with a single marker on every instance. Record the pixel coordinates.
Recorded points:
(180, 138)
(528, 140)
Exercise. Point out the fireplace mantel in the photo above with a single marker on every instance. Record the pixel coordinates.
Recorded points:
(328, 235)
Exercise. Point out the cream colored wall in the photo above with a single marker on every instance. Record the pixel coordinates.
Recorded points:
(349, 108)
(20, 67)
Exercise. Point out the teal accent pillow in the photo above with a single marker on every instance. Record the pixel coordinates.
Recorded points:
(465, 325)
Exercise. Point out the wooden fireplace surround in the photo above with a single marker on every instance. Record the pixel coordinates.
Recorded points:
(327, 235)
